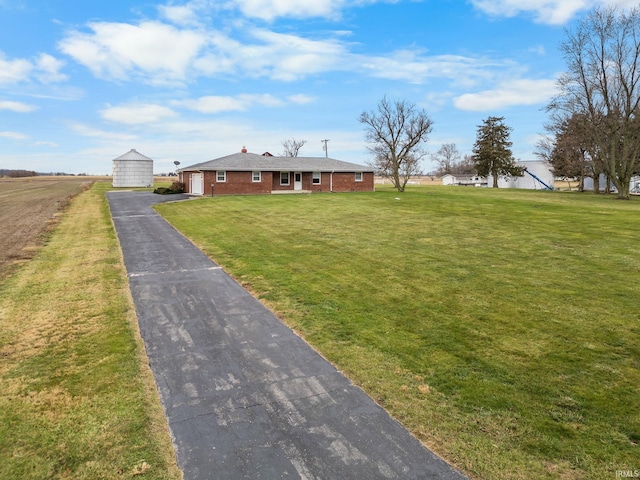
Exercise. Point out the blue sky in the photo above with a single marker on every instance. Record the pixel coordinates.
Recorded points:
(83, 82)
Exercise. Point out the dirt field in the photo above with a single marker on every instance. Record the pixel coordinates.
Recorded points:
(28, 209)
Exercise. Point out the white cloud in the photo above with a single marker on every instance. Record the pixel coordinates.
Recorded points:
(91, 132)
(264, 99)
(271, 9)
(554, 12)
(214, 104)
(135, 114)
(241, 102)
(180, 14)
(508, 94)
(287, 57)
(14, 71)
(157, 52)
(193, 11)
(45, 68)
(301, 99)
(414, 67)
(17, 106)
(14, 135)
(48, 69)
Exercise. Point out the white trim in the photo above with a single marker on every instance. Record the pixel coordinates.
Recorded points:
(253, 176)
(313, 178)
(224, 176)
(288, 179)
(361, 177)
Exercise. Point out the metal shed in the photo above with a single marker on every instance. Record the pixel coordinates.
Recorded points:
(132, 169)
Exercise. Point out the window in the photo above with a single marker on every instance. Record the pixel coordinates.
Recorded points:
(358, 176)
(221, 176)
(256, 176)
(284, 178)
(316, 178)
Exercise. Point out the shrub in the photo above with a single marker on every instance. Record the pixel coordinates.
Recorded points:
(176, 187)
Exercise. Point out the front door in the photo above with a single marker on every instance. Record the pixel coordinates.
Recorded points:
(197, 184)
(297, 181)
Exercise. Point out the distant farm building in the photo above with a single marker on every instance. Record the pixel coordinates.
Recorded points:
(634, 185)
(537, 176)
(250, 173)
(132, 169)
(464, 179)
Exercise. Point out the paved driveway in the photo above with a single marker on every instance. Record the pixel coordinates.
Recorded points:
(244, 396)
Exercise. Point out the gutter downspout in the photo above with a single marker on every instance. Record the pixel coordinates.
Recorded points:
(331, 181)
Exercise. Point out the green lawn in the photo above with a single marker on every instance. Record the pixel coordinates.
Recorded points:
(502, 327)
(77, 398)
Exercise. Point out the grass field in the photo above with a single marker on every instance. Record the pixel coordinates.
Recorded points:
(501, 327)
(77, 400)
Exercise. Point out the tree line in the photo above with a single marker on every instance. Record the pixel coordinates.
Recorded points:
(594, 125)
(17, 173)
(397, 132)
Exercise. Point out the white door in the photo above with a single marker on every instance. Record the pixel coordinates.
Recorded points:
(197, 184)
(297, 181)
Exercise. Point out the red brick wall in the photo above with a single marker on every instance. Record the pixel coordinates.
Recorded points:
(237, 183)
(240, 183)
(346, 182)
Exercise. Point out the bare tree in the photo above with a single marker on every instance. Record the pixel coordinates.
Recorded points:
(447, 158)
(292, 147)
(602, 83)
(396, 131)
(465, 166)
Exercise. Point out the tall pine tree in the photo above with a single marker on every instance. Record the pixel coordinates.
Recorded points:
(492, 150)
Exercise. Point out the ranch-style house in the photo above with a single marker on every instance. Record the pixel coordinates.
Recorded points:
(247, 173)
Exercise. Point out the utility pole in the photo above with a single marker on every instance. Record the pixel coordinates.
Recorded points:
(326, 150)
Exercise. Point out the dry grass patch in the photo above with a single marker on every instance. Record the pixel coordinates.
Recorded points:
(77, 400)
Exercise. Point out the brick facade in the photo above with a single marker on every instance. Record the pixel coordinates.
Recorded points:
(242, 183)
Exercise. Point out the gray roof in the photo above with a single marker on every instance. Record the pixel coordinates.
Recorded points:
(133, 155)
(252, 161)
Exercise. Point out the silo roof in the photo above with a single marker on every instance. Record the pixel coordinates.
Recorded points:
(133, 154)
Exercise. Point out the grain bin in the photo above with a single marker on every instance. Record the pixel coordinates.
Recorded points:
(132, 170)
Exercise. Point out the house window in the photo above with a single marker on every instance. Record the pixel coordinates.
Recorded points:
(316, 178)
(256, 176)
(358, 176)
(284, 178)
(221, 176)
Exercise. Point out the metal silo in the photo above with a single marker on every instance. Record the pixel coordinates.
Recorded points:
(132, 170)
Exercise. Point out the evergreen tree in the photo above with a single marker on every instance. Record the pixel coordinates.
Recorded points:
(492, 150)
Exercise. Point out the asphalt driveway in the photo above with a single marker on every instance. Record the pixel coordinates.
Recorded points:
(244, 396)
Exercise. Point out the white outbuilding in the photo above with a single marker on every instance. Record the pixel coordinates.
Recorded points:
(132, 169)
(537, 175)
